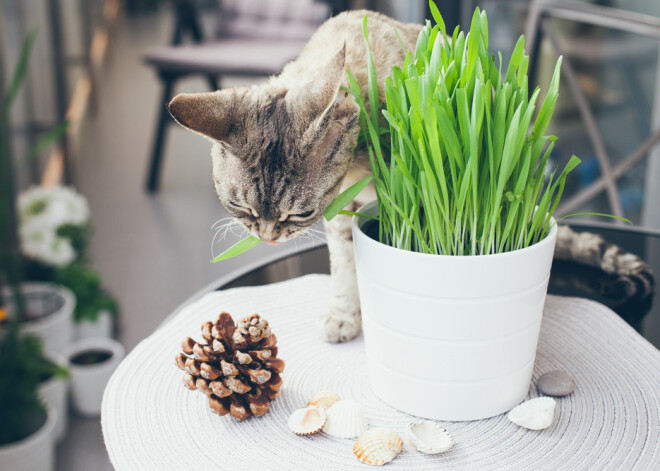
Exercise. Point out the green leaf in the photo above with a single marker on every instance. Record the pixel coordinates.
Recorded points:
(21, 69)
(371, 77)
(354, 213)
(345, 198)
(238, 248)
(437, 16)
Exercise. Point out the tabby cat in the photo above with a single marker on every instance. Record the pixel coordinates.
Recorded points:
(282, 151)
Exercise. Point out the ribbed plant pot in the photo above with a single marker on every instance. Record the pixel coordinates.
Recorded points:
(101, 327)
(450, 337)
(51, 307)
(54, 392)
(89, 381)
(35, 452)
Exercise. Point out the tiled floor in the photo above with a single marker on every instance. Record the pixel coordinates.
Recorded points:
(152, 251)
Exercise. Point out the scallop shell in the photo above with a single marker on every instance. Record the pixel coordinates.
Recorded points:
(535, 414)
(345, 420)
(378, 446)
(307, 421)
(428, 437)
(324, 399)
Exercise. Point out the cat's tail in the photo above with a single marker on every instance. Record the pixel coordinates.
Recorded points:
(633, 277)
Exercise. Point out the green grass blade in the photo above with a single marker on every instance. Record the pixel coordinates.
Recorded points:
(354, 213)
(345, 198)
(371, 78)
(238, 248)
(20, 71)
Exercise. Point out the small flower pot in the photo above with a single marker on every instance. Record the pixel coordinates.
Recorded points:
(54, 392)
(450, 337)
(101, 327)
(50, 313)
(92, 362)
(35, 452)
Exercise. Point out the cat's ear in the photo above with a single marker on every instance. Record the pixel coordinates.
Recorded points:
(332, 103)
(211, 114)
(312, 98)
(327, 90)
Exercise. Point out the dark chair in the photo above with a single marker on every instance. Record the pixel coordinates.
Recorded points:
(253, 38)
(539, 27)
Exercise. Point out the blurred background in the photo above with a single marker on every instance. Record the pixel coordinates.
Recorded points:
(105, 68)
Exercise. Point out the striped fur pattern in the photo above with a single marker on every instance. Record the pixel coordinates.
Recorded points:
(634, 277)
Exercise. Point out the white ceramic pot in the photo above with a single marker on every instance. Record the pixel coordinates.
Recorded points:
(54, 392)
(35, 452)
(101, 327)
(88, 381)
(450, 337)
(54, 304)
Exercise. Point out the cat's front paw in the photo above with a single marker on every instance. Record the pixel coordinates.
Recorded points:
(339, 327)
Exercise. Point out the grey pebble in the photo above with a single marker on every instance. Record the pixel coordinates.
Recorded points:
(555, 383)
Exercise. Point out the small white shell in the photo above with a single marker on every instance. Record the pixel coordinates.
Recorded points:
(345, 420)
(428, 437)
(324, 399)
(535, 414)
(307, 421)
(378, 446)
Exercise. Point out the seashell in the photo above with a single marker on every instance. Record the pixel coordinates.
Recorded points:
(324, 399)
(345, 420)
(535, 414)
(378, 446)
(307, 421)
(428, 437)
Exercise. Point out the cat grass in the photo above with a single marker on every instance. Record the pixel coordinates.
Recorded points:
(463, 169)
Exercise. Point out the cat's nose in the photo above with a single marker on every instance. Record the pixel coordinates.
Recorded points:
(269, 232)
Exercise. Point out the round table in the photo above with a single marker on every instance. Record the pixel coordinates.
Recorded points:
(151, 421)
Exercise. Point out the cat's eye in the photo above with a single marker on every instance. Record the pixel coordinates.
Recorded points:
(243, 209)
(301, 216)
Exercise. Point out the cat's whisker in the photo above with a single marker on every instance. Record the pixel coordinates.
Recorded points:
(215, 237)
(315, 231)
(316, 234)
(220, 221)
(222, 227)
(238, 229)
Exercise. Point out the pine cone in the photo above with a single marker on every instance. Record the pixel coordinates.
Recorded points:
(236, 367)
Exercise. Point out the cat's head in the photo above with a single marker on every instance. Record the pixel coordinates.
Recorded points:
(279, 154)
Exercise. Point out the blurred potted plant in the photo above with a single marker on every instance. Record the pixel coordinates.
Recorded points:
(453, 275)
(92, 361)
(28, 431)
(44, 309)
(55, 230)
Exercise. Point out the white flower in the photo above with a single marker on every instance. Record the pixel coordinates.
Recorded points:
(53, 206)
(41, 212)
(61, 252)
(44, 246)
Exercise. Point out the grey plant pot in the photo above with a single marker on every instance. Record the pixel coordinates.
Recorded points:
(55, 305)
(35, 452)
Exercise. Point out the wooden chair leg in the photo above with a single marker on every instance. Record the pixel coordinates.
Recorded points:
(153, 176)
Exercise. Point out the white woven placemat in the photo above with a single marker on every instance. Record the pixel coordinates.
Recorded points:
(612, 421)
